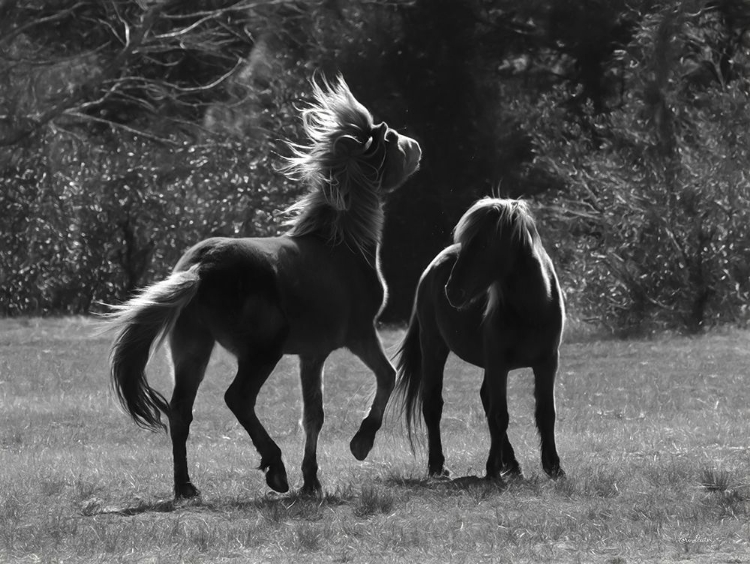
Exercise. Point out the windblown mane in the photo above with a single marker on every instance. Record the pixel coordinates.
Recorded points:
(510, 217)
(342, 165)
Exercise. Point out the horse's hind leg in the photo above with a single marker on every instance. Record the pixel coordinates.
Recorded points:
(434, 354)
(544, 391)
(252, 372)
(190, 345)
(370, 351)
(507, 461)
(311, 374)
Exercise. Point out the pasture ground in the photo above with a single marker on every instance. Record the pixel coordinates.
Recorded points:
(654, 436)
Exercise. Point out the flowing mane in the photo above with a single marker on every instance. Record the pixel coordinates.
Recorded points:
(511, 214)
(342, 165)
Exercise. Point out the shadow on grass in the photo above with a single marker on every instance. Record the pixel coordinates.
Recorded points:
(292, 505)
(95, 506)
(459, 483)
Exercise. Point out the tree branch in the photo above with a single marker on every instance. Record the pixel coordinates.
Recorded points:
(65, 103)
(137, 132)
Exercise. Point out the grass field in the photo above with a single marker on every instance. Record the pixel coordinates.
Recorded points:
(654, 436)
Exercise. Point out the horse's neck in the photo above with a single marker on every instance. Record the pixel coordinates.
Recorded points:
(531, 286)
(359, 228)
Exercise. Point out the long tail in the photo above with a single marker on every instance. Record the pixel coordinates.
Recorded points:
(142, 323)
(408, 391)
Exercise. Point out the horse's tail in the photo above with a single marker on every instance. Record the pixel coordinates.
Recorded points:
(142, 323)
(408, 392)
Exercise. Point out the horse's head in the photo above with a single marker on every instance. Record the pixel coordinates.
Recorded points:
(348, 155)
(395, 156)
(490, 234)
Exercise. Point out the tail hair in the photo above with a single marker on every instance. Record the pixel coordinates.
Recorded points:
(142, 324)
(408, 391)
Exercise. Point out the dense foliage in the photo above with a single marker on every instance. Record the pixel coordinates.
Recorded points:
(131, 129)
(655, 191)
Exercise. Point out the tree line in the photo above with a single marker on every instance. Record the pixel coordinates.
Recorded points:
(130, 129)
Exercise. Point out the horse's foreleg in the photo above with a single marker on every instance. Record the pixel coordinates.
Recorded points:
(496, 408)
(190, 347)
(507, 462)
(371, 352)
(544, 392)
(241, 395)
(434, 355)
(311, 374)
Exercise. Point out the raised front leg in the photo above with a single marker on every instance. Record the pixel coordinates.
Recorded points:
(311, 374)
(370, 351)
(544, 392)
(241, 395)
(190, 345)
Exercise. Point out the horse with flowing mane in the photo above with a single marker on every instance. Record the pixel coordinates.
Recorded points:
(316, 289)
(492, 298)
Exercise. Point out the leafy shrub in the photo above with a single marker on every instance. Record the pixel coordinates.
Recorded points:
(110, 221)
(653, 220)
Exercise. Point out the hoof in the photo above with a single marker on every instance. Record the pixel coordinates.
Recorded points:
(276, 479)
(185, 491)
(555, 473)
(512, 472)
(361, 446)
(494, 478)
(311, 490)
(496, 481)
(440, 474)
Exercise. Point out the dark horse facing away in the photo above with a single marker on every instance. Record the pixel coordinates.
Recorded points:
(493, 299)
(316, 289)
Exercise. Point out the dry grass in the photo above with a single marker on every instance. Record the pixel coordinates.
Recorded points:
(653, 435)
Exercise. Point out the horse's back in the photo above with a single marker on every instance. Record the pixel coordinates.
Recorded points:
(299, 290)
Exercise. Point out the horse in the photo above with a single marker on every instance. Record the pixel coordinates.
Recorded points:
(308, 292)
(494, 300)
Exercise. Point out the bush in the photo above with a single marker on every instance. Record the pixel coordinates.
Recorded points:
(652, 222)
(108, 221)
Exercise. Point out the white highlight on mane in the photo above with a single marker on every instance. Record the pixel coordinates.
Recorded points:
(512, 214)
(494, 299)
(343, 170)
(506, 214)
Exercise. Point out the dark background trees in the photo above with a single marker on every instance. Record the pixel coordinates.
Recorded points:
(131, 129)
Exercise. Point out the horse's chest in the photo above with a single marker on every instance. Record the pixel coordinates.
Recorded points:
(523, 343)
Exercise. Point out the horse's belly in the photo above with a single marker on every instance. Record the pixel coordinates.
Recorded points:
(467, 335)
(306, 338)
(461, 331)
